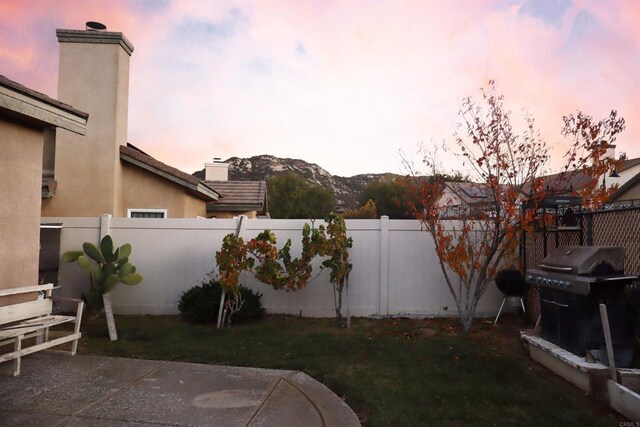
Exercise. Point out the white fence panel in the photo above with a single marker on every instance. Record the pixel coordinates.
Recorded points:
(173, 255)
(395, 269)
(75, 231)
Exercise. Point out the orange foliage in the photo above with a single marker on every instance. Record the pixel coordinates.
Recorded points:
(475, 247)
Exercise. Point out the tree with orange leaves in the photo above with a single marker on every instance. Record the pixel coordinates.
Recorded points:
(588, 154)
(472, 248)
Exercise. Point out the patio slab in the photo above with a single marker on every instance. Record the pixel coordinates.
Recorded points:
(100, 391)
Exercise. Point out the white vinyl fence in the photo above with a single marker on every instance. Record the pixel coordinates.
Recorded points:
(395, 268)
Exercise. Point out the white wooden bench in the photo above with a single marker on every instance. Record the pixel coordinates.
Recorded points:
(32, 319)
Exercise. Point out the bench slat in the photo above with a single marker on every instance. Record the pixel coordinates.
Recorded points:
(33, 325)
(25, 310)
(33, 349)
(25, 289)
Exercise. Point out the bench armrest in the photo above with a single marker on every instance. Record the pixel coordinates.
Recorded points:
(67, 299)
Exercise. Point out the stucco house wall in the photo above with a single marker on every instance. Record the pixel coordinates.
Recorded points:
(144, 190)
(25, 117)
(20, 182)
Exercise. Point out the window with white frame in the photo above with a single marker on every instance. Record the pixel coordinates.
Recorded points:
(146, 213)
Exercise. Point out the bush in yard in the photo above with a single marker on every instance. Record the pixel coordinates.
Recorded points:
(200, 304)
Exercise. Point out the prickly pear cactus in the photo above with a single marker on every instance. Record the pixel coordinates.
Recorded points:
(106, 267)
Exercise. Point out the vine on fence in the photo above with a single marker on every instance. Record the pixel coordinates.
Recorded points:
(277, 268)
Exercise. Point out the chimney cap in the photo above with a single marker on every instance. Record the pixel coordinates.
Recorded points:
(95, 26)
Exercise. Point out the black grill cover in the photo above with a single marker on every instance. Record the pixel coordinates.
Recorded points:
(585, 260)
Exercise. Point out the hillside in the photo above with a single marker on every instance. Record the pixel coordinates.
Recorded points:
(347, 190)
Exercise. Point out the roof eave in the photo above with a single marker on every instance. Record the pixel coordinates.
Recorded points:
(38, 109)
(232, 207)
(200, 189)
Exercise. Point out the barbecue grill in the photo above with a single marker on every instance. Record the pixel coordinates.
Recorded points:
(573, 281)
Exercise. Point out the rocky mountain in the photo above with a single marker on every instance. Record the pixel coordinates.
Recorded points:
(347, 190)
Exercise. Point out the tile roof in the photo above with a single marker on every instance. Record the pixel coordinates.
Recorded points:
(561, 182)
(137, 157)
(239, 196)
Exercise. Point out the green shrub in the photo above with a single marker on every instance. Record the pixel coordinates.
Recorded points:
(200, 304)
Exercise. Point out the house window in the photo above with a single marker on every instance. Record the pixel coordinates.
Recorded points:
(146, 213)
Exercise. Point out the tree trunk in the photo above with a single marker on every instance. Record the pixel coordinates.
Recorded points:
(346, 284)
(111, 323)
(338, 303)
(221, 310)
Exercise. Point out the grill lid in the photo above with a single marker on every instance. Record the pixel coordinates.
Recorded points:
(585, 260)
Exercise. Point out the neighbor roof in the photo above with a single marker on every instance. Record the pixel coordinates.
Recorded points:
(34, 107)
(239, 196)
(470, 192)
(561, 182)
(137, 157)
(575, 179)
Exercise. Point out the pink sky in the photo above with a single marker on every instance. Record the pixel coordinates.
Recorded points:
(344, 84)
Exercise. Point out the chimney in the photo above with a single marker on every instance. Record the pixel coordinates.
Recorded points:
(93, 77)
(216, 171)
(611, 152)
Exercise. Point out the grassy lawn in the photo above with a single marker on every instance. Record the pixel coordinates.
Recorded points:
(392, 372)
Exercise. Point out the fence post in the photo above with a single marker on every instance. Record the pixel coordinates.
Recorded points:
(105, 229)
(383, 294)
(242, 226)
(105, 225)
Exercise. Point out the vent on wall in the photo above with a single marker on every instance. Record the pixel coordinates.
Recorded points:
(95, 26)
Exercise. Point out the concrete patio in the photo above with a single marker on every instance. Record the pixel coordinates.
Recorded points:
(56, 390)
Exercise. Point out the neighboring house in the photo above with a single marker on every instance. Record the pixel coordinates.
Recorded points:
(104, 174)
(629, 182)
(465, 199)
(27, 120)
(236, 197)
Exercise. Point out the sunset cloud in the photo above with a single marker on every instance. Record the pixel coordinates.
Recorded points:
(342, 84)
